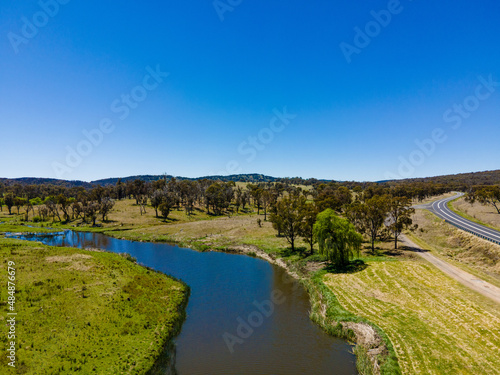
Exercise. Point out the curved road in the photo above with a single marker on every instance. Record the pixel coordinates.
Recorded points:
(440, 208)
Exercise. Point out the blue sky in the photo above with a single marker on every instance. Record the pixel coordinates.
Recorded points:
(68, 66)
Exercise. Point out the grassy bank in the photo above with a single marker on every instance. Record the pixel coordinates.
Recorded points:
(92, 312)
(374, 350)
(436, 325)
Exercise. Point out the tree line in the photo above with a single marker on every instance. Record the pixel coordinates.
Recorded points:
(375, 215)
(333, 215)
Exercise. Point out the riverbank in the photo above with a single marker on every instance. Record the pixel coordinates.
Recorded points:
(88, 311)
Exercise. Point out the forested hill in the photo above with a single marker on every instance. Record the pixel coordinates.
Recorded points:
(250, 178)
(235, 177)
(462, 179)
(45, 181)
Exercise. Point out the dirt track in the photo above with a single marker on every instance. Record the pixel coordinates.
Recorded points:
(465, 278)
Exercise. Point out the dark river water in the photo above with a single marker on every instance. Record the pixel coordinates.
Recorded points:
(245, 315)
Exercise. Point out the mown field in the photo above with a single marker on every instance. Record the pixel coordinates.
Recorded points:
(87, 312)
(436, 325)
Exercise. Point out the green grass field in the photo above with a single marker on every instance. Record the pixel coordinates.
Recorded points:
(87, 312)
(436, 325)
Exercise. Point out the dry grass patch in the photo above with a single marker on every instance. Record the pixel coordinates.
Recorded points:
(67, 258)
(436, 325)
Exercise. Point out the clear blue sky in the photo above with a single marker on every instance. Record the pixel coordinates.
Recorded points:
(352, 120)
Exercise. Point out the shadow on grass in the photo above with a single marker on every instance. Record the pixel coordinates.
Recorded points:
(289, 252)
(168, 219)
(413, 249)
(354, 266)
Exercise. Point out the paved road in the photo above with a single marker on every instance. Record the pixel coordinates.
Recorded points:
(440, 208)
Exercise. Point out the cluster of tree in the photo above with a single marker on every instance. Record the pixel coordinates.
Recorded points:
(216, 197)
(486, 195)
(374, 209)
(88, 206)
(377, 216)
(381, 215)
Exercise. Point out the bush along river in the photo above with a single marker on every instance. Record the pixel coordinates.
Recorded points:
(245, 315)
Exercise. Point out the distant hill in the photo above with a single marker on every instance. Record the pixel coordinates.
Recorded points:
(464, 179)
(250, 178)
(459, 180)
(254, 177)
(44, 181)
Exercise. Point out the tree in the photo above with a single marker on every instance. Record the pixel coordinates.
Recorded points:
(64, 204)
(288, 217)
(105, 207)
(91, 210)
(400, 212)
(266, 199)
(369, 217)
(487, 196)
(120, 189)
(219, 196)
(168, 202)
(50, 203)
(330, 196)
(239, 198)
(143, 202)
(18, 202)
(9, 202)
(337, 238)
(306, 231)
(256, 194)
(156, 199)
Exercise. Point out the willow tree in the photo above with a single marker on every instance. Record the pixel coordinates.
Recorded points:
(337, 238)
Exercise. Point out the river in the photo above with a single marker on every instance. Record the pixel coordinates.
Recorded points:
(245, 315)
